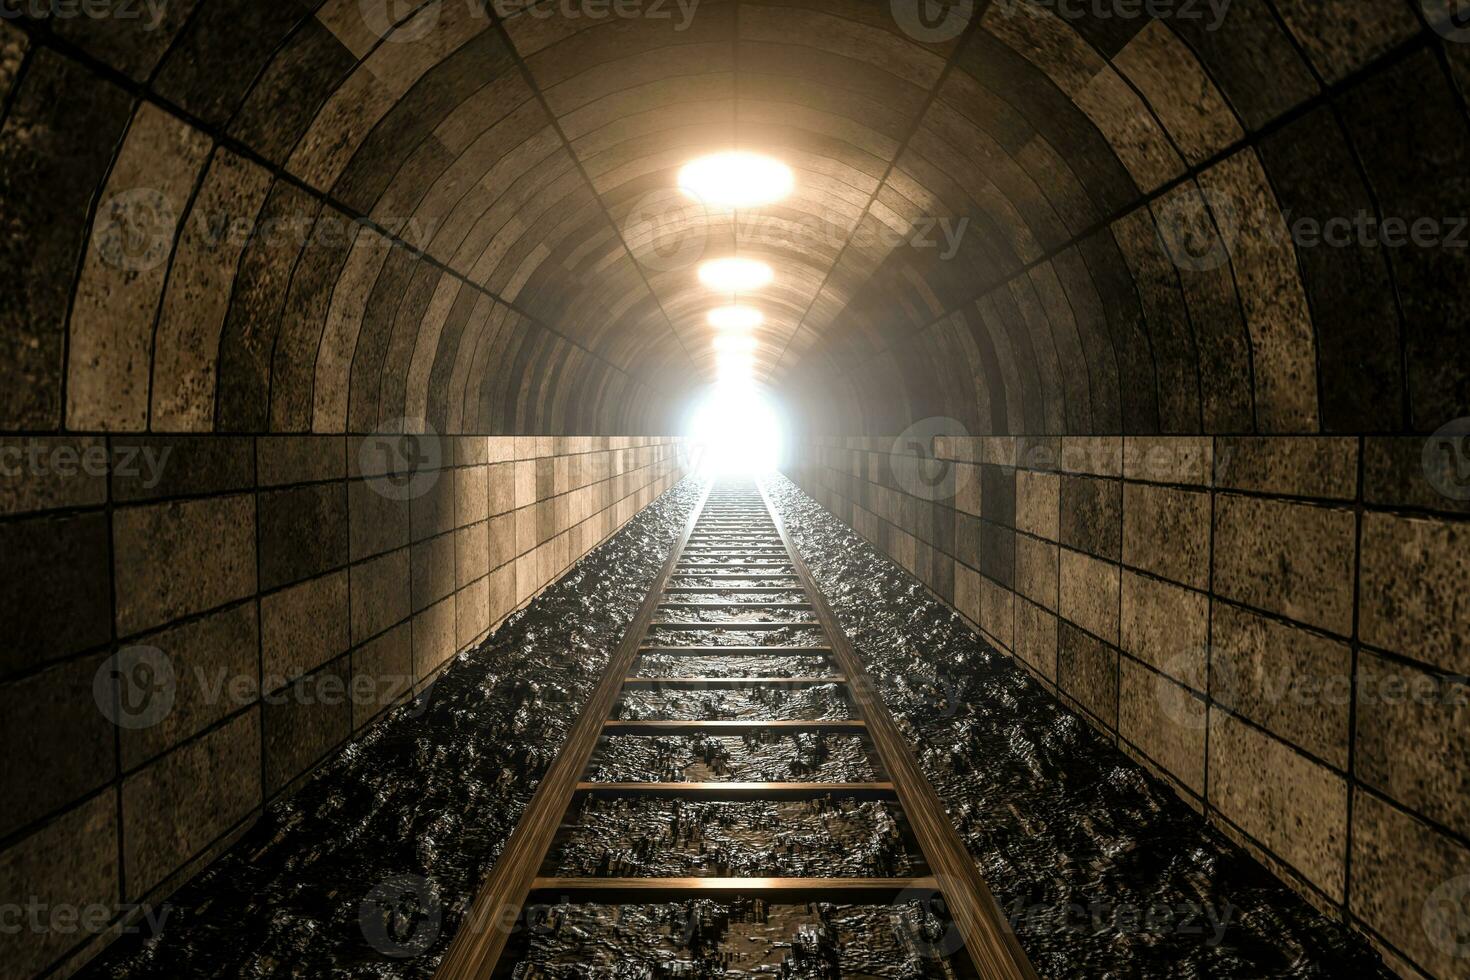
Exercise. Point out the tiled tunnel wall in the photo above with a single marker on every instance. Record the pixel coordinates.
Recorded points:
(1173, 229)
(265, 598)
(269, 219)
(215, 282)
(1275, 625)
(240, 240)
(1235, 547)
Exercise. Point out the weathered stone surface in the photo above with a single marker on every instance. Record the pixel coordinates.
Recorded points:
(1405, 877)
(1414, 600)
(1296, 684)
(301, 628)
(175, 559)
(1290, 804)
(303, 532)
(57, 587)
(58, 741)
(1087, 669)
(71, 861)
(1292, 559)
(1413, 731)
(1167, 532)
(215, 778)
(304, 721)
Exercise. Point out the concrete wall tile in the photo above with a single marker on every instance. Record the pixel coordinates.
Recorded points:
(71, 861)
(1413, 731)
(1167, 531)
(1293, 806)
(1294, 683)
(1409, 884)
(1414, 599)
(1292, 559)
(215, 778)
(303, 627)
(1090, 594)
(176, 559)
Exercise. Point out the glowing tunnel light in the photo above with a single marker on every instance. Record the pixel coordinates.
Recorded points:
(736, 318)
(736, 431)
(735, 275)
(735, 344)
(736, 180)
(735, 367)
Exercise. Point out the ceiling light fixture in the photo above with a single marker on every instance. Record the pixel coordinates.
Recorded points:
(735, 275)
(736, 318)
(736, 180)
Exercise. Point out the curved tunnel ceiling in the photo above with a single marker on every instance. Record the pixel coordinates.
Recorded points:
(300, 216)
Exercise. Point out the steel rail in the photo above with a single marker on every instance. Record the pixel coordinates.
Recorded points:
(733, 518)
(482, 936)
(989, 940)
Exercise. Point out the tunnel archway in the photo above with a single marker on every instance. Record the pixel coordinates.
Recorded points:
(1179, 291)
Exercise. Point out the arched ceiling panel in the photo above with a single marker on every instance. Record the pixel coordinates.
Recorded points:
(337, 215)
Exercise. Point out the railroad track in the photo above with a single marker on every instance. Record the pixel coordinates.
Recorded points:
(735, 544)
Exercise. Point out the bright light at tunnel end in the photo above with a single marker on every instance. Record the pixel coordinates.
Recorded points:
(736, 430)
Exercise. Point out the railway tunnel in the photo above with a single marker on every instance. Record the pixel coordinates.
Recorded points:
(703, 488)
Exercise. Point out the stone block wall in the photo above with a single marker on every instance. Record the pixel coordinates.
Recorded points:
(193, 624)
(1277, 626)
